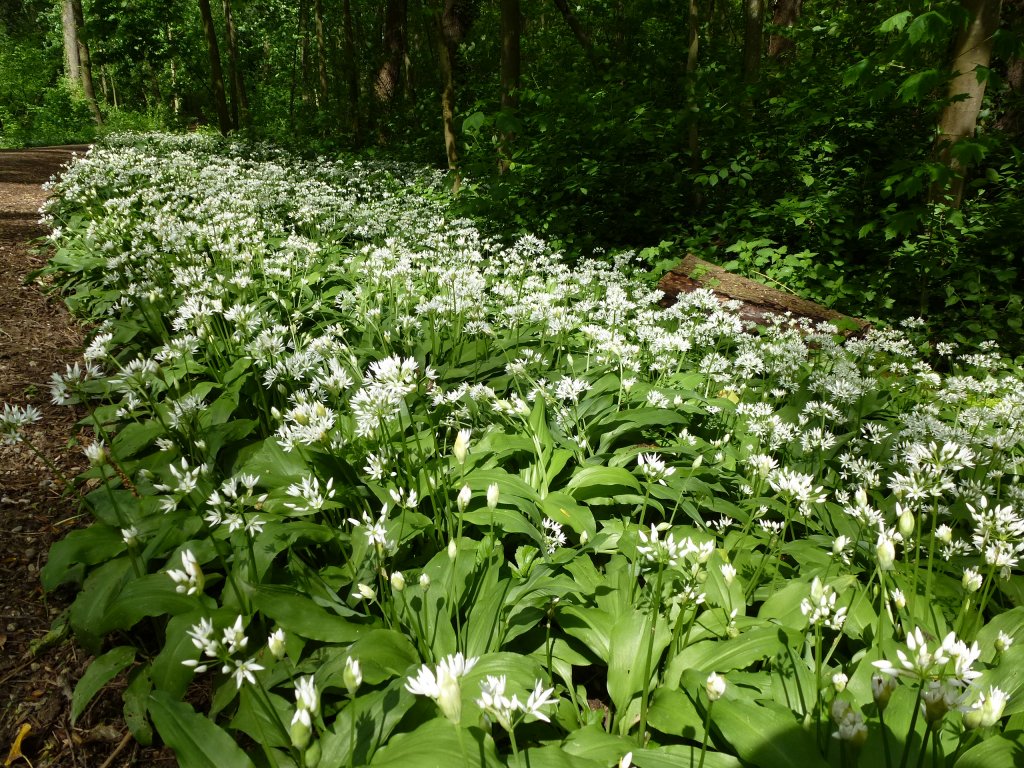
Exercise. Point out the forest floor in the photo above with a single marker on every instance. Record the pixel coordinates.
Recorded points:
(39, 664)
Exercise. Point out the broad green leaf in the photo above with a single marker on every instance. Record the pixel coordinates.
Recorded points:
(384, 708)
(296, 613)
(89, 611)
(1003, 749)
(765, 736)
(87, 546)
(101, 671)
(673, 712)
(679, 756)
(439, 744)
(136, 704)
(591, 481)
(564, 510)
(252, 717)
(635, 651)
(151, 595)
(731, 653)
(551, 757)
(134, 437)
(197, 742)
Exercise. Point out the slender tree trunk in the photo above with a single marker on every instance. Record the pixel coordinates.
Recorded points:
(216, 73)
(175, 92)
(753, 33)
(1011, 121)
(85, 64)
(447, 42)
(72, 65)
(305, 64)
(321, 54)
(574, 24)
(352, 55)
(784, 16)
(511, 62)
(691, 94)
(385, 85)
(972, 53)
(239, 99)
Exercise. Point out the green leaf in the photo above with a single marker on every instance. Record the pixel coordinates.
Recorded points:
(87, 546)
(197, 742)
(384, 708)
(101, 671)
(601, 481)
(729, 654)
(1001, 749)
(136, 701)
(296, 613)
(765, 736)
(151, 595)
(895, 23)
(630, 661)
(439, 744)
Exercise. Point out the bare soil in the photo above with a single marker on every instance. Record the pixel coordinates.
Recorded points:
(39, 666)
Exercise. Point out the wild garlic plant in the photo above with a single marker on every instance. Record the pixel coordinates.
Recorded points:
(428, 464)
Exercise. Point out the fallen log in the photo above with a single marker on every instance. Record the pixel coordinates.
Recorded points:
(759, 303)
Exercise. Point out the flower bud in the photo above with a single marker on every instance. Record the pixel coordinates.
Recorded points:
(462, 500)
(353, 675)
(715, 686)
(424, 581)
(366, 592)
(972, 580)
(492, 495)
(839, 681)
(882, 687)
(453, 550)
(906, 524)
(397, 581)
(461, 447)
(276, 643)
(885, 551)
(300, 733)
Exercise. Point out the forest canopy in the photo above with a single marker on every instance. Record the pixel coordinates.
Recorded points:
(866, 156)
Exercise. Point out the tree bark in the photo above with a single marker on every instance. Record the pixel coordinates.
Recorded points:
(85, 65)
(385, 85)
(1011, 122)
(510, 53)
(72, 65)
(574, 24)
(321, 53)
(449, 33)
(239, 99)
(753, 32)
(691, 86)
(972, 53)
(352, 54)
(216, 73)
(784, 16)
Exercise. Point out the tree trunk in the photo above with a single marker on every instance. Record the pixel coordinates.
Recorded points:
(72, 65)
(385, 85)
(216, 73)
(84, 62)
(574, 24)
(693, 144)
(753, 32)
(447, 42)
(511, 62)
(321, 54)
(239, 99)
(784, 16)
(1011, 122)
(353, 70)
(972, 53)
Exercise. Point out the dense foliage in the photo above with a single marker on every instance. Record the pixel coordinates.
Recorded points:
(369, 487)
(811, 163)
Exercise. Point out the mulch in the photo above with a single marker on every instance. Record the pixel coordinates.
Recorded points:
(39, 664)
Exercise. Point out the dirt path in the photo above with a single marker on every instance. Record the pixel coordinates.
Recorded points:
(38, 338)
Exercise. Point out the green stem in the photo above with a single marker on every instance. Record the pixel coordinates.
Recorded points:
(707, 731)
(650, 652)
(912, 730)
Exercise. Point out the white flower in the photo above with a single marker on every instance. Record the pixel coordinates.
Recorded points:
(442, 685)
(243, 670)
(190, 580)
(461, 447)
(654, 468)
(276, 643)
